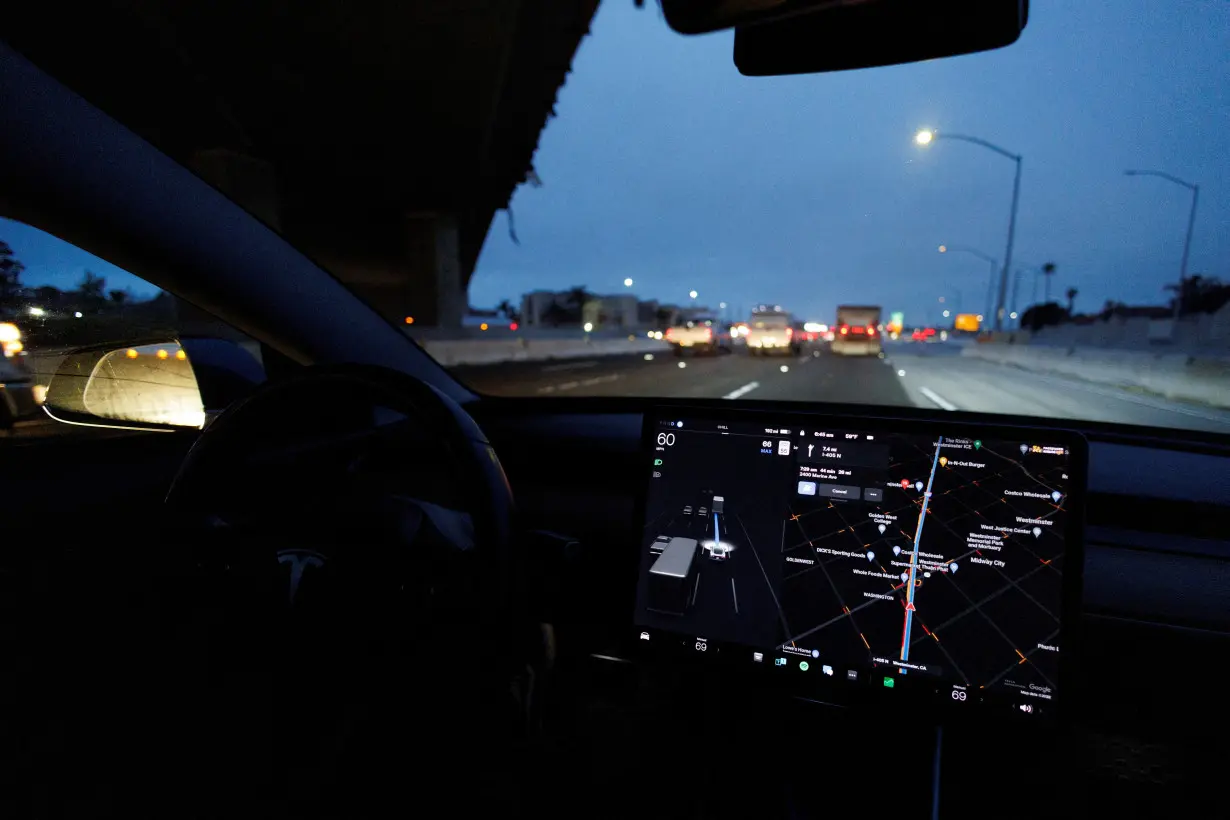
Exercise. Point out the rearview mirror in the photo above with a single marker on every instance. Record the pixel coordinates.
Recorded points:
(145, 387)
(703, 16)
(866, 33)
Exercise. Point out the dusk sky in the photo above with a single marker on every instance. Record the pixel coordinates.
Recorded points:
(667, 166)
(50, 261)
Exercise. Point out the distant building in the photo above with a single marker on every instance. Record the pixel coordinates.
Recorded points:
(612, 311)
(536, 306)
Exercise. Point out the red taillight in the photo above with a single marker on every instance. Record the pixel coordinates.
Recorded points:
(513, 326)
(708, 333)
(871, 331)
(844, 330)
(669, 332)
(789, 332)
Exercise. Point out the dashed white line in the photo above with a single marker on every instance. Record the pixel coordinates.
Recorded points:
(937, 398)
(552, 388)
(555, 368)
(742, 391)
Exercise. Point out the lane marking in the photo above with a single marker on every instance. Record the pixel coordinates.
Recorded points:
(552, 388)
(556, 368)
(735, 595)
(742, 391)
(937, 398)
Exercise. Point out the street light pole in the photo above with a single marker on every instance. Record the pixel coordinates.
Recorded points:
(1003, 277)
(1187, 242)
(1016, 287)
(985, 257)
(926, 138)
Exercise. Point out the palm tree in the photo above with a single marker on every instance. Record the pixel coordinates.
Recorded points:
(577, 296)
(1071, 299)
(92, 287)
(1048, 270)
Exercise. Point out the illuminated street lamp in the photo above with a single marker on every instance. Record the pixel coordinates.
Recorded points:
(692, 294)
(927, 136)
(628, 283)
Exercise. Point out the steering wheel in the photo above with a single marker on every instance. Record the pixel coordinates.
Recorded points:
(351, 533)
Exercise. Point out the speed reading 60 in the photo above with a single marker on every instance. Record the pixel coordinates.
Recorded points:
(666, 439)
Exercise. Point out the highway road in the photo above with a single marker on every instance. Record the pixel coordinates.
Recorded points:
(910, 375)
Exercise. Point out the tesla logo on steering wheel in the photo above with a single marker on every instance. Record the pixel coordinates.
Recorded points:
(299, 561)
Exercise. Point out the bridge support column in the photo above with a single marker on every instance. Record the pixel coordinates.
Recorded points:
(406, 267)
(434, 293)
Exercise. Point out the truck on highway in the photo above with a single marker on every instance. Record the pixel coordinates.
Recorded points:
(771, 330)
(671, 577)
(700, 335)
(858, 331)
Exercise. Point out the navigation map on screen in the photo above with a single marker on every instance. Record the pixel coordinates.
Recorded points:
(866, 556)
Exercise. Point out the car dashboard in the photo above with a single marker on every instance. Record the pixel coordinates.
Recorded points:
(1155, 611)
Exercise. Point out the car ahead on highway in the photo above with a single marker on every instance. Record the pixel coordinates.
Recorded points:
(18, 397)
(700, 335)
(928, 335)
(771, 331)
(857, 332)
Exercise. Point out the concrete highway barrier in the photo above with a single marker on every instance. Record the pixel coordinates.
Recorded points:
(1176, 376)
(452, 352)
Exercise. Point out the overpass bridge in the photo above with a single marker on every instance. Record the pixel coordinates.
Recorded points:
(378, 137)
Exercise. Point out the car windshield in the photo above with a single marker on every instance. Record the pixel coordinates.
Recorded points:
(1040, 230)
(669, 182)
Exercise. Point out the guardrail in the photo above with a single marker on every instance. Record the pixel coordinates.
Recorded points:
(496, 350)
(1174, 375)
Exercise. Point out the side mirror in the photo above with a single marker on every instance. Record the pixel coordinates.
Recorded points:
(152, 385)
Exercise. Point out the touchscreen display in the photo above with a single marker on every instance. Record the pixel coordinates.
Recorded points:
(877, 558)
